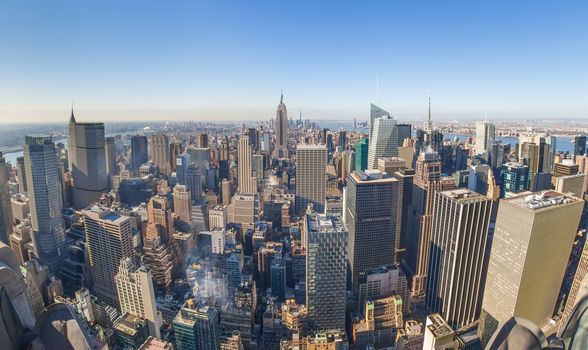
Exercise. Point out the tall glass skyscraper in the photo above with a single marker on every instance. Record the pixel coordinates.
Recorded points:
(383, 142)
(361, 154)
(375, 113)
(44, 191)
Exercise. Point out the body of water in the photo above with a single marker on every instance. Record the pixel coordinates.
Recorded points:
(563, 144)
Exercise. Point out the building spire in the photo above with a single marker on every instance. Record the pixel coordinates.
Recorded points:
(281, 95)
(429, 121)
(72, 118)
(378, 89)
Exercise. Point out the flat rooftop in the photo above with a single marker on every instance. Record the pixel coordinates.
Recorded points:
(542, 200)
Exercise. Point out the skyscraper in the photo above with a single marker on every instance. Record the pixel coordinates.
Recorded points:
(139, 153)
(383, 142)
(159, 152)
(21, 175)
(136, 295)
(375, 113)
(45, 200)
(182, 164)
(193, 182)
(110, 156)
(456, 255)
(247, 183)
(109, 240)
(580, 145)
(530, 249)
(514, 177)
(87, 161)
(361, 154)
(341, 138)
(370, 216)
(536, 153)
(182, 204)
(405, 179)
(311, 161)
(326, 271)
(197, 327)
(427, 181)
(404, 132)
(5, 204)
(281, 130)
(485, 135)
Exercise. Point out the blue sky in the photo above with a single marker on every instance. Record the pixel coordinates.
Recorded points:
(228, 59)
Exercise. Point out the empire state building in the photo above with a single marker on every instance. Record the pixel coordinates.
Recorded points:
(281, 129)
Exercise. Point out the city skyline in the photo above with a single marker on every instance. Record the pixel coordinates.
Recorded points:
(147, 61)
(286, 176)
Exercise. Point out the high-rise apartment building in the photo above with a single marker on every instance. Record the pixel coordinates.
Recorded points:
(311, 162)
(485, 136)
(326, 271)
(45, 200)
(159, 152)
(427, 181)
(197, 327)
(136, 294)
(370, 216)
(247, 183)
(383, 142)
(281, 129)
(456, 255)
(87, 161)
(109, 240)
(361, 154)
(139, 152)
(531, 246)
(5, 203)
